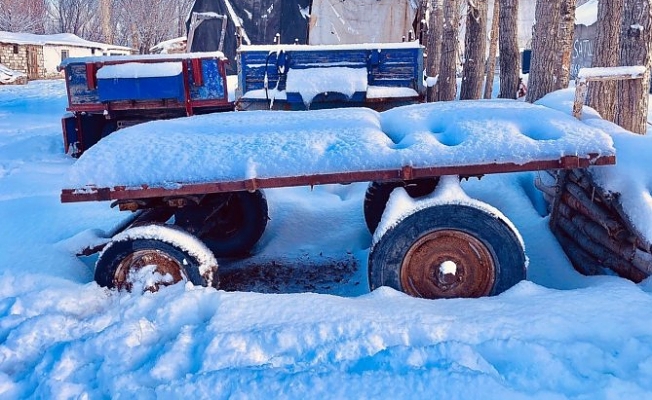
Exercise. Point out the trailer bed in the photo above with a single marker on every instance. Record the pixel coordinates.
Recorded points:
(235, 151)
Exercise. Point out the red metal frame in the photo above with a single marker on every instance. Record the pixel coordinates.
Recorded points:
(404, 173)
(91, 78)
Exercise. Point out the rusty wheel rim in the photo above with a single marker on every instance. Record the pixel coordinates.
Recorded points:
(163, 270)
(448, 263)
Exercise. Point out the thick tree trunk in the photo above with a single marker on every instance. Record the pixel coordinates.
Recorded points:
(105, 18)
(566, 31)
(474, 49)
(602, 95)
(636, 43)
(448, 66)
(544, 50)
(435, 29)
(493, 47)
(508, 48)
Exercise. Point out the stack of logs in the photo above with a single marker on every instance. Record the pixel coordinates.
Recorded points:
(592, 228)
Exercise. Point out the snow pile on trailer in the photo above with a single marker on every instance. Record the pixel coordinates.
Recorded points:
(135, 70)
(261, 144)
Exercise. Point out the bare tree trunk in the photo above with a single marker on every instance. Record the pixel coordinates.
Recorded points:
(435, 30)
(474, 49)
(105, 16)
(544, 50)
(636, 43)
(508, 48)
(602, 95)
(493, 46)
(566, 30)
(447, 81)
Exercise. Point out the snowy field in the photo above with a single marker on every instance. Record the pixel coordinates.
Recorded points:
(310, 329)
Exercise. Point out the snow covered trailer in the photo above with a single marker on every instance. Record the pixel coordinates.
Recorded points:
(199, 196)
(110, 93)
(299, 77)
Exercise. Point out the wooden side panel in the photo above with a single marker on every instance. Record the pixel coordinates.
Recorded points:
(402, 67)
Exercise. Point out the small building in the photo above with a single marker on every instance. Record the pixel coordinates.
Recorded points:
(39, 55)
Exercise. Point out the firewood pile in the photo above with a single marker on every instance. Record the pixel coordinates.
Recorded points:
(592, 228)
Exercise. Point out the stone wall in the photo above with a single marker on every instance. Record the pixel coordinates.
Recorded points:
(18, 61)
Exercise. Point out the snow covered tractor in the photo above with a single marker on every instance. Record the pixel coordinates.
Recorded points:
(195, 187)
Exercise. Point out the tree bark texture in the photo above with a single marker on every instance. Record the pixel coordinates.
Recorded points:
(602, 95)
(447, 81)
(544, 50)
(636, 43)
(508, 49)
(566, 31)
(493, 47)
(475, 47)
(435, 30)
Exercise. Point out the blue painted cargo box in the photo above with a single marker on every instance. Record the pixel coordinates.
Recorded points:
(298, 77)
(107, 93)
(141, 81)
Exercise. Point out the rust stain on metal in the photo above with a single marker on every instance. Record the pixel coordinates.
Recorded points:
(448, 263)
(407, 172)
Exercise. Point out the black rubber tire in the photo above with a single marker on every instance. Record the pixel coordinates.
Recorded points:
(115, 252)
(378, 193)
(243, 221)
(387, 255)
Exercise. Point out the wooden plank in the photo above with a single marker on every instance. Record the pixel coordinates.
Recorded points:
(581, 90)
(581, 84)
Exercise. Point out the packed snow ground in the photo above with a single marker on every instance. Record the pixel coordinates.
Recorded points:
(557, 335)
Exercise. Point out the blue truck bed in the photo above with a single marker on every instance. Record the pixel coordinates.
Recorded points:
(298, 77)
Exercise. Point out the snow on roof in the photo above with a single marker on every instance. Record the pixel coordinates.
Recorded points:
(58, 39)
(587, 13)
(261, 144)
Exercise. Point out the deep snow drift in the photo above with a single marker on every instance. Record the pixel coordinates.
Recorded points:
(556, 335)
